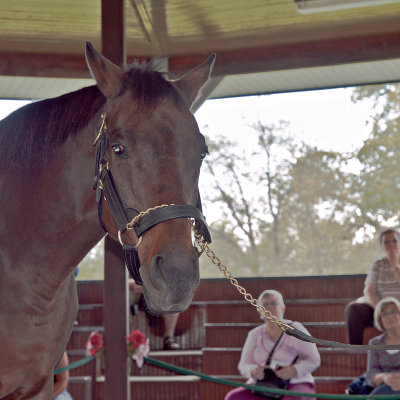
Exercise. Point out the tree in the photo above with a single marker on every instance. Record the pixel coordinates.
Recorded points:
(379, 180)
(229, 172)
(275, 175)
(251, 197)
(92, 266)
(318, 217)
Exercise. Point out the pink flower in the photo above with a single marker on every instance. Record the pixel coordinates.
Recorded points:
(142, 351)
(135, 339)
(95, 343)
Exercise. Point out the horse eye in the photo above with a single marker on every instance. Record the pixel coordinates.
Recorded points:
(203, 155)
(118, 149)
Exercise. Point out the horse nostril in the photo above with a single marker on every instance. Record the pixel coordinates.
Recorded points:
(156, 272)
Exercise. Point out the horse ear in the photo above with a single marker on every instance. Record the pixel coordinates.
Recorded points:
(108, 76)
(191, 83)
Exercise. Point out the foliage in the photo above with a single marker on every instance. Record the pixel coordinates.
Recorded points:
(379, 180)
(92, 266)
(310, 218)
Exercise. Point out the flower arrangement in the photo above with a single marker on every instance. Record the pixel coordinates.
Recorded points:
(137, 346)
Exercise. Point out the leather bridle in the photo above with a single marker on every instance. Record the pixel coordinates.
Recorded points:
(129, 218)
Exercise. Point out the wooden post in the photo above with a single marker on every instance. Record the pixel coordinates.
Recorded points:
(113, 31)
(116, 316)
(116, 322)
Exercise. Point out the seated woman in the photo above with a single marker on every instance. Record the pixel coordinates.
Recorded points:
(383, 367)
(259, 343)
(383, 280)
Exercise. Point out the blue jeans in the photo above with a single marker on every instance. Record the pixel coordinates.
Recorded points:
(384, 389)
(64, 396)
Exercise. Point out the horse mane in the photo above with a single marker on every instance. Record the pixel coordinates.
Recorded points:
(37, 128)
(41, 126)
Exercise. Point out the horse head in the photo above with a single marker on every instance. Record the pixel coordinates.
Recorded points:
(154, 152)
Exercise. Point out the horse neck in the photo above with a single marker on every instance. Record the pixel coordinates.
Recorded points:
(52, 210)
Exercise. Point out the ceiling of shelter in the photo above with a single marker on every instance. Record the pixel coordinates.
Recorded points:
(261, 45)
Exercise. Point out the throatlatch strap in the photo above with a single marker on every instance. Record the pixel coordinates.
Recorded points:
(113, 200)
(132, 262)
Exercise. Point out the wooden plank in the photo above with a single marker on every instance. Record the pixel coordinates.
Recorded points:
(327, 310)
(296, 287)
(238, 61)
(235, 334)
(113, 31)
(297, 55)
(115, 322)
(116, 302)
(44, 65)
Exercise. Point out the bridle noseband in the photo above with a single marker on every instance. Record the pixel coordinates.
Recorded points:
(129, 218)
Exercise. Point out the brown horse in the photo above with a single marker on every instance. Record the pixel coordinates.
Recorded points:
(49, 217)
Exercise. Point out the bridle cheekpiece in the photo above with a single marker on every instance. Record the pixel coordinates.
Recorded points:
(129, 218)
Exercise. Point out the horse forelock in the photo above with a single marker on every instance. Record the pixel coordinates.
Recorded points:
(150, 87)
(39, 127)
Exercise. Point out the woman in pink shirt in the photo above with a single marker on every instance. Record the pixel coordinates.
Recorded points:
(259, 343)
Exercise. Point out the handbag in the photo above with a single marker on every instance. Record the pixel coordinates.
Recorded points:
(359, 386)
(271, 379)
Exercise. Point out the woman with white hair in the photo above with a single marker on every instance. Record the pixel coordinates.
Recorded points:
(383, 366)
(292, 359)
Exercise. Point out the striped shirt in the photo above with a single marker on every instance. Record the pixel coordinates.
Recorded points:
(381, 274)
(381, 360)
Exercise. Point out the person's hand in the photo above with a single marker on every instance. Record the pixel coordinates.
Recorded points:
(286, 372)
(392, 379)
(258, 372)
(134, 286)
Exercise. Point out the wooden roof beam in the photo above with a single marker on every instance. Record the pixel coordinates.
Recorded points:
(261, 59)
(297, 55)
(44, 65)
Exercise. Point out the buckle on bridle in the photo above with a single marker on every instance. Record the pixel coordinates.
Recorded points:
(102, 127)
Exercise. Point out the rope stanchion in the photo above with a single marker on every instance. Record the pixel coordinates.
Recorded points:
(185, 371)
(74, 365)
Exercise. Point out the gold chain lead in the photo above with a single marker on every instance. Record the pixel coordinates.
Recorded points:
(248, 297)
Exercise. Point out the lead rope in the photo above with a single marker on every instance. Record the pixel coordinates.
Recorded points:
(288, 329)
(248, 297)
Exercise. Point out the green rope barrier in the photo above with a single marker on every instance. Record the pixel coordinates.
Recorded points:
(186, 371)
(73, 365)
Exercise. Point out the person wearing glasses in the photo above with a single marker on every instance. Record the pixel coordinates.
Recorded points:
(383, 280)
(292, 359)
(383, 366)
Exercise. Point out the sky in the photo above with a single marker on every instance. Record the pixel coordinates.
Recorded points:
(327, 119)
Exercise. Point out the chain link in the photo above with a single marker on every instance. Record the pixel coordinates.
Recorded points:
(130, 225)
(224, 269)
